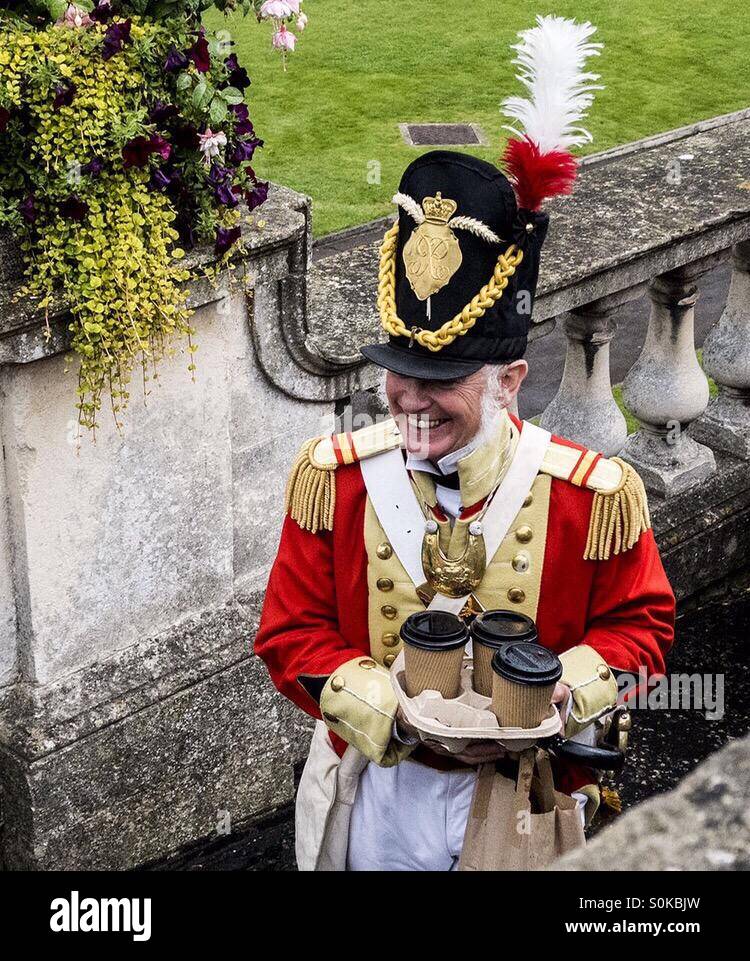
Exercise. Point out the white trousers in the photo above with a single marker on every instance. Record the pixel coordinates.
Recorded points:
(412, 818)
(409, 818)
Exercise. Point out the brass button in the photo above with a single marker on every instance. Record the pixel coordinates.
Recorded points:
(384, 551)
(390, 640)
(388, 611)
(524, 534)
(521, 562)
(604, 672)
(516, 595)
(385, 584)
(337, 683)
(389, 659)
(529, 500)
(367, 664)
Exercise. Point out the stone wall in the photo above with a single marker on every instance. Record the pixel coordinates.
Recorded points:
(703, 825)
(132, 715)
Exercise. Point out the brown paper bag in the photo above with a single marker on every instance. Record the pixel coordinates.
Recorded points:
(521, 824)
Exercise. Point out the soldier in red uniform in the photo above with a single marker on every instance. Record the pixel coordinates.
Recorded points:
(457, 278)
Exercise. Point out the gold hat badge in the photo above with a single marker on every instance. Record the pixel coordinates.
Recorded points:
(432, 254)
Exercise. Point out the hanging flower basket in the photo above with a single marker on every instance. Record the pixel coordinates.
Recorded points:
(125, 140)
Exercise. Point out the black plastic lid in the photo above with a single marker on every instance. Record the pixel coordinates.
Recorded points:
(434, 631)
(527, 663)
(495, 628)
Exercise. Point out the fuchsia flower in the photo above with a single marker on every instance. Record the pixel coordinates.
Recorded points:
(211, 143)
(284, 39)
(74, 17)
(279, 8)
(302, 21)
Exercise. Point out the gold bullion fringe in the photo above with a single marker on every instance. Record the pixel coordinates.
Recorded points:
(618, 517)
(311, 491)
(611, 799)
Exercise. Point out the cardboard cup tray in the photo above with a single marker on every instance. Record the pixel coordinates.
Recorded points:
(459, 720)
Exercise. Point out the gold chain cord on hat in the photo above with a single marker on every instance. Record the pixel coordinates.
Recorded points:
(435, 340)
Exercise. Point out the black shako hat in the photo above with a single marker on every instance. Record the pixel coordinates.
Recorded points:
(458, 271)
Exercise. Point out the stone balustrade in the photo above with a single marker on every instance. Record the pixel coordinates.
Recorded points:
(134, 719)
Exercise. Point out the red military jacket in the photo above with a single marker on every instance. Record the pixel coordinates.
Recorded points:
(315, 615)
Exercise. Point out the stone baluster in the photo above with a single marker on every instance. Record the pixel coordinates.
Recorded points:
(725, 426)
(584, 409)
(667, 390)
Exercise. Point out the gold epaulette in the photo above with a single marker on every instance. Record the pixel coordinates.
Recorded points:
(619, 512)
(311, 489)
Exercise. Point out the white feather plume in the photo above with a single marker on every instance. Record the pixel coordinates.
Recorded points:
(551, 58)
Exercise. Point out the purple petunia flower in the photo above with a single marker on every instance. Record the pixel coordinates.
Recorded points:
(226, 238)
(218, 174)
(160, 179)
(176, 60)
(136, 152)
(4, 118)
(199, 54)
(243, 125)
(169, 179)
(28, 210)
(237, 75)
(64, 94)
(183, 224)
(117, 35)
(243, 150)
(102, 11)
(160, 145)
(257, 196)
(74, 208)
(225, 195)
(94, 167)
(161, 112)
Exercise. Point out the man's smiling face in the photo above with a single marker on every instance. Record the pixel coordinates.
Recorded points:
(438, 417)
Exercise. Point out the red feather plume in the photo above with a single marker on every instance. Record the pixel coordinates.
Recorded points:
(535, 175)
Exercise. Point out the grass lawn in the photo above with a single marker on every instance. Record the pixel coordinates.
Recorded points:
(364, 66)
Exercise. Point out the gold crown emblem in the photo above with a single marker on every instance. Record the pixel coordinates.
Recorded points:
(438, 210)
